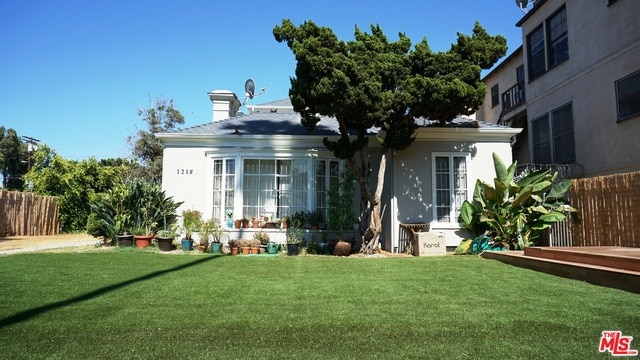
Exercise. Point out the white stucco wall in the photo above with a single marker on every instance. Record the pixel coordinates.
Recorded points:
(411, 198)
(184, 175)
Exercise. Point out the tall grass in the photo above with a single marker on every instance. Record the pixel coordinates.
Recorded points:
(132, 304)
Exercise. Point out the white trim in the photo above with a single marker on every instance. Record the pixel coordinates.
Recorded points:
(466, 134)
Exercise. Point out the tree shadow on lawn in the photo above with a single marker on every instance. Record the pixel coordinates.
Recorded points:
(28, 314)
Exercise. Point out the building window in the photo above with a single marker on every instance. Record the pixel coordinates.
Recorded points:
(628, 96)
(535, 53)
(495, 96)
(564, 148)
(541, 140)
(558, 40)
(327, 178)
(553, 138)
(543, 52)
(451, 186)
(224, 182)
(274, 187)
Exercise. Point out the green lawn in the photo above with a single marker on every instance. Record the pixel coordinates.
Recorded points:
(141, 304)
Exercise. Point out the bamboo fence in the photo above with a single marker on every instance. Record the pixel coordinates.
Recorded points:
(26, 214)
(608, 213)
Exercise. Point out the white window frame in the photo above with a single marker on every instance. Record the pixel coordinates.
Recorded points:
(453, 213)
(239, 157)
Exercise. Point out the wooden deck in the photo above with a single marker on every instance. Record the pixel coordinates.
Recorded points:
(611, 266)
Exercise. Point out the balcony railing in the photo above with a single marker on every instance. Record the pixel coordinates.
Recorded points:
(564, 171)
(513, 97)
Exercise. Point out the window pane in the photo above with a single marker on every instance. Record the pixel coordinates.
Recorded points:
(535, 52)
(450, 181)
(274, 188)
(495, 95)
(563, 140)
(558, 39)
(541, 140)
(223, 188)
(628, 93)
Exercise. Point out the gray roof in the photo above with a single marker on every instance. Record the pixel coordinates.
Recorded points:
(264, 124)
(288, 123)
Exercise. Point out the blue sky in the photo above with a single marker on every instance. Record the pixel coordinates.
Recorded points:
(74, 73)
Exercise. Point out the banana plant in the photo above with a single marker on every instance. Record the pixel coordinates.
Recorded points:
(515, 210)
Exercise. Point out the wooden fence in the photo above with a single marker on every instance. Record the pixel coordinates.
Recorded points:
(609, 213)
(26, 214)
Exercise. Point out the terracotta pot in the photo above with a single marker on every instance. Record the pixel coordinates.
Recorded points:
(237, 224)
(255, 250)
(142, 241)
(342, 248)
(246, 250)
(234, 250)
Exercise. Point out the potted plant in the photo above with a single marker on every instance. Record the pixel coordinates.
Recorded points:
(165, 238)
(244, 246)
(254, 246)
(286, 222)
(229, 216)
(217, 235)
(245, 222)
(233, 247)
(148, 208)
(123, 230)
(191, 222)
(211, 234)
(294, 238)
(100, 221)
(316, 218)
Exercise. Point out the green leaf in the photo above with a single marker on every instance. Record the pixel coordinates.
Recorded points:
(523, 196)
(533, 177)
(501, 170)
(559, 189)
(553, 216)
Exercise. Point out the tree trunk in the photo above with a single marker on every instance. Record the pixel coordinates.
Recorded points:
(371, 237)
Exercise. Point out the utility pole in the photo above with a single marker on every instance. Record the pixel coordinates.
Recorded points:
(32, 145)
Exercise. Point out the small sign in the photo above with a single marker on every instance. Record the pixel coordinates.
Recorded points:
(430, 244)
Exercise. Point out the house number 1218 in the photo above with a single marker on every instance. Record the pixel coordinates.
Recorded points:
(185, 171)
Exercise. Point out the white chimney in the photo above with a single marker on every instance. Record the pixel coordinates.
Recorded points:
(225, 104)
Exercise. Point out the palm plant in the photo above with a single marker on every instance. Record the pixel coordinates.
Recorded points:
(514, 211)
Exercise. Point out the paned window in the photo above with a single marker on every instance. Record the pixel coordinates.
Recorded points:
(451, 186)
(535, 53)
(495, 95)
(224, 181)
(628, 96)
(553, 137)
(327, 178)
(274, 187)
(541, 140)
(564, 148)
(558, 40)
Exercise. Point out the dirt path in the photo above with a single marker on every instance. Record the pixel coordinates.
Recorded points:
(12, 243)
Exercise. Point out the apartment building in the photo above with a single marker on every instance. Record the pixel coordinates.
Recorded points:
(574, 86)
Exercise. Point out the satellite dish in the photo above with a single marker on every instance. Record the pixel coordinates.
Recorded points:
(522, 4)
(250, 88)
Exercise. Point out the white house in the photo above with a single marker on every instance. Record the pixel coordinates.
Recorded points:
(266, 163)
